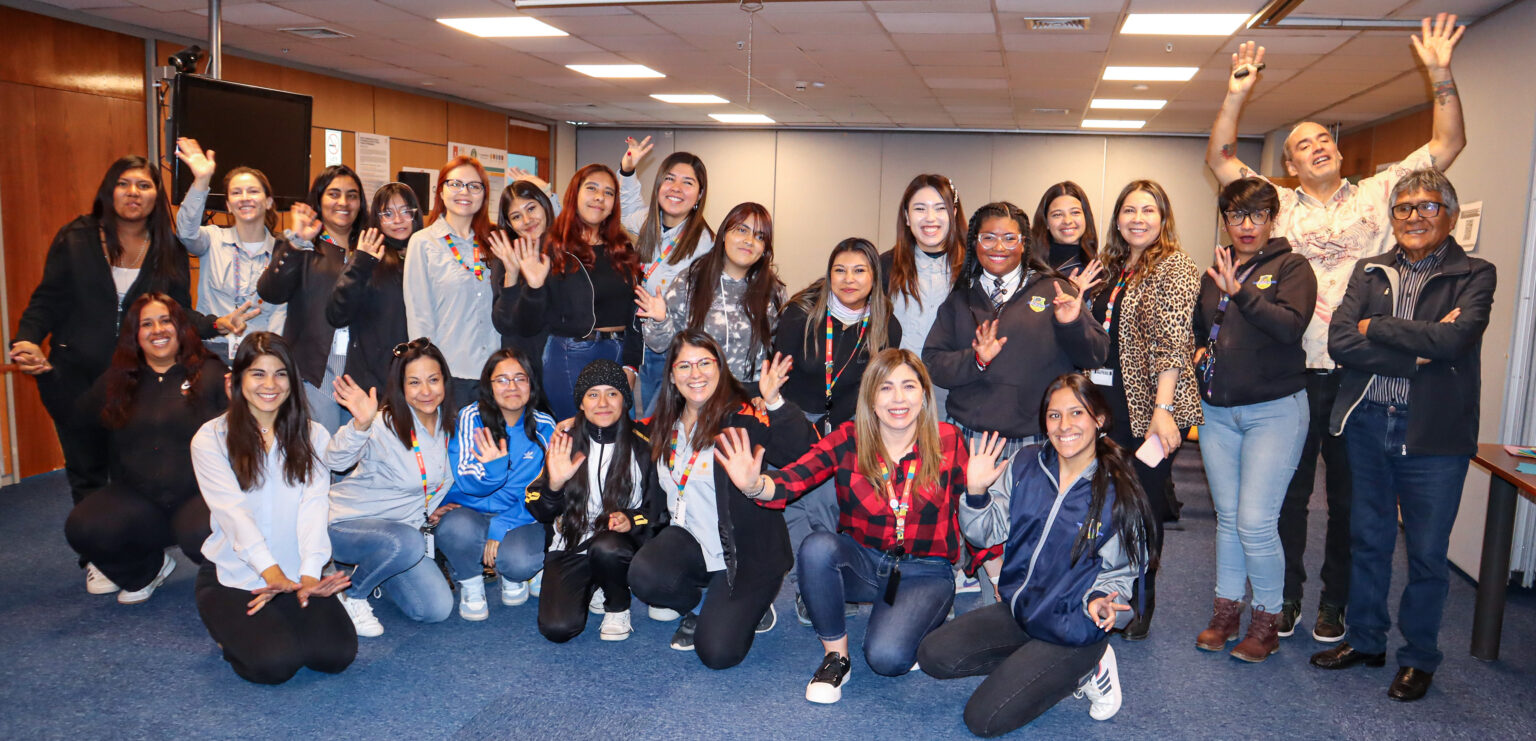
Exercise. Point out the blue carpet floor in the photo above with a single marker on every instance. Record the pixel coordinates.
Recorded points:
(82, 666)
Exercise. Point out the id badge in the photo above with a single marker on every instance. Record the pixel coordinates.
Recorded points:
(431, 539)
(1102, 377)
(339, 341)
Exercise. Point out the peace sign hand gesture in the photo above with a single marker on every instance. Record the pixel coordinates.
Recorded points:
(1068, 306)
(635, 152)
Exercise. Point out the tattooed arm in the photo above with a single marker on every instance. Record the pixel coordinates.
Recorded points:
(1434, 47)
(1221, 149)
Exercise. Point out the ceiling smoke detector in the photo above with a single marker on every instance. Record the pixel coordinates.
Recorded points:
(317, 33)
(1057, 24)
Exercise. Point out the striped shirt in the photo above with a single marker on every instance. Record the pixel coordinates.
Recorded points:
(1413, 276)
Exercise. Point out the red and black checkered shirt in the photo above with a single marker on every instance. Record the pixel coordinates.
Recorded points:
(864, 506)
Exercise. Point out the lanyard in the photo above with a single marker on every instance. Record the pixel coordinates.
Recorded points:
(1208, 369)
(478, 268)
(326, 237)
(665, 251)
(421, 464)
(1114, 295)
(832, 379)
(682, 481)
(899, 506)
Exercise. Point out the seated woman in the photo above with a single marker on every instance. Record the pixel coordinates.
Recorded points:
(259, 470)
(162, 385)
(496, 452)
(715, 539)
(1077, 531)
(382, 513)
(899, 475)
(596, 493)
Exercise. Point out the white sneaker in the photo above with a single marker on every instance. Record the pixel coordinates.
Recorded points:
(662, 614)
(472, 599)
(615, 626)
(1102, 688)
(596, 605)
(965, 584)
(97, 582)
(513, 593)
(537, 585)
(363, 620)
(826, 685)
(141, 595)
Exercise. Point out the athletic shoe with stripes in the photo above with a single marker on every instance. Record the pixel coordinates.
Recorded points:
(1102, 687)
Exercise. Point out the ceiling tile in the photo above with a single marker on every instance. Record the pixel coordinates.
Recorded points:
(923, 23)
(1040, 41)
(947, 42)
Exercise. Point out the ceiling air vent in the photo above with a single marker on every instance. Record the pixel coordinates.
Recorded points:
(317, 33)
(1056, 24)
(1053, 111)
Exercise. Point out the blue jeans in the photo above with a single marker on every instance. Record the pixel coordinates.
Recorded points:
(1250, 452)
(816, 512)
(461, 537)
(392, 554)
(835, 569)
(322, 403)
(564, 359)
(653, 373)
(1426, 489)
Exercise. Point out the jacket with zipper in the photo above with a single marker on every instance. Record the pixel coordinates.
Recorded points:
(1258, 348)
(564, 306)
(1443, 397)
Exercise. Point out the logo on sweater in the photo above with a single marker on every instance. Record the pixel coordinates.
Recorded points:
(1037, 303)
(1095, 529)
(528, 456)
(1264, 281)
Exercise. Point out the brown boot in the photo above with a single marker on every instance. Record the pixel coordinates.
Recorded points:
(1262, 640)
(1226, 618)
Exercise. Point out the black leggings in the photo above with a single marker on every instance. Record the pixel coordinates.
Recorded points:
(125, 533)
(272, 645)
(670, 572)
(570, 577)
(1025, 676)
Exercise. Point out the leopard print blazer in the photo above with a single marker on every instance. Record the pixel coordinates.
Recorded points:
(1156, 334)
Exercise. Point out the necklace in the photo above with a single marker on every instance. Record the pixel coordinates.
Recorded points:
(138, 256)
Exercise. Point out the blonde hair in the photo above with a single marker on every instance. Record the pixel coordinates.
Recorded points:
(870, 446)
(1116, 252)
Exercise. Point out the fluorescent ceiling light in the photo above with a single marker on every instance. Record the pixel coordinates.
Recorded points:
(741, 118)
(1183, 24)
(1105, 123)
(614, 70)
(687, 99)
(1128, 104)
(504, 27)
(1151, 74)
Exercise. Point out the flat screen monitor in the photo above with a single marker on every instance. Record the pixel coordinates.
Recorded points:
(246, 126)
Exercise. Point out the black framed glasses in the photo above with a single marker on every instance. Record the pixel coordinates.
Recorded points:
(1235, 218)
(473, 186)
(419, 344)
(1427, 209)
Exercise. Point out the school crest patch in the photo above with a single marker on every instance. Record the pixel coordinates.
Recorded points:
(1037, 303)
(1264, 281)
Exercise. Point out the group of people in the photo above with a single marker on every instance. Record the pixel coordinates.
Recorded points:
(655, 417)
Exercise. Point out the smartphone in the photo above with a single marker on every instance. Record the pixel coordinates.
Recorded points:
(1151, 452)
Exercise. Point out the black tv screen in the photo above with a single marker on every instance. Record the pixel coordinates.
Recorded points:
(245, 126)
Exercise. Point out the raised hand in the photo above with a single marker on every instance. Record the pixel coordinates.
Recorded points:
(1068, 307)
(200, 162)
(1224, 272)
(984, 466)
(502, 248)
(515, 174)
(234, 322)
(635, 152)
(1437, 40)
(987, 344)
(362, 404)
(1088, 277)
(559, 462)
(1249, 56)
(532, 262)
(733, 450)
(772, 377)
(486, 449)
(371, 241)
(651, 306)
(306, 223)
(312, 587)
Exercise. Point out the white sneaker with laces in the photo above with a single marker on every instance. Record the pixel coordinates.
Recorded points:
(513, 593)
(596, 605)
(361, 613)
(472, 599)
(1102, 688)
(138, 596)
(662, 614)
(97, 582)
(616, 626)
(966, 584)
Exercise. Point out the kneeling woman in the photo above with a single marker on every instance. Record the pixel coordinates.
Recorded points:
(381, 512)
(162, 386)
(259, 470)
(899, 475)
(595, 491)
(1077, 530)
(716, 539)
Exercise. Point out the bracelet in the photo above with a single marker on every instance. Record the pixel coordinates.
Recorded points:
(1165, 407)
(980, 363)
(762, 483)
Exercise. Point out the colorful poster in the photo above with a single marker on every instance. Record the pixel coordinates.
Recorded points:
(495, 163)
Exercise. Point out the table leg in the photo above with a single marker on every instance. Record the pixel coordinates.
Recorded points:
(1493, 574)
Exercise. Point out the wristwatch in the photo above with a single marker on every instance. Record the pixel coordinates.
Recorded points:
(1165, 407)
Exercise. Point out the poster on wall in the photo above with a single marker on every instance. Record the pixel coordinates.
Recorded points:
(372, 162)
(495, 163)
(1467, 224)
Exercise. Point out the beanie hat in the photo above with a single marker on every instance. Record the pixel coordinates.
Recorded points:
(603, 372)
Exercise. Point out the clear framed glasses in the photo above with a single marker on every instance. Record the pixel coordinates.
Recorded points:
(505, 381)
(1235, 218)
(742, 231)
(704, 365)
(404, 213)
(1427, 209)
(475, 187)
(1009, 240)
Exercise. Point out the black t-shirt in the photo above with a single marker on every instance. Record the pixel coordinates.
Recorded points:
(613, 299)
(1100, 309)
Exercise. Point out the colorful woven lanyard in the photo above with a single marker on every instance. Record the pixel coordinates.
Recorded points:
(899, 506)
(326, 237)
(1114, 296)
(478, 268)
(421, 464)
(679, 481)
(832, 379)
(665, 251)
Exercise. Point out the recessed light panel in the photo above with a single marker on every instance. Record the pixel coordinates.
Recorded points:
(1150, 74)
(741, 118)
(1102, 123)
(1128, 104)
(688, 99)
(614, 70)
(501, 28)
(1183, 24)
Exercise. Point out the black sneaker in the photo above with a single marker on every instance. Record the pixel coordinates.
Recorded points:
(1290, 610)
(682, 640)
(1330, 624)
(826, 685)
(769, 619)
(801, 614)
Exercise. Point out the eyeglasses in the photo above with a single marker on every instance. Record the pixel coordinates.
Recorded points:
(704, 365)
(1010, 240)
(502, 382)
(473, 187)
(1427, 209)
(742, 231)
(403, 213)
(419, 344)
(1235, 218)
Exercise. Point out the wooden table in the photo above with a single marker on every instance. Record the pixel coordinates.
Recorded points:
(1505, 486)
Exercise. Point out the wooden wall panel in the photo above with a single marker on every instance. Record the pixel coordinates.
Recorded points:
(404, 116)
(46, 52)
(1397, 138)
(532, 143)
(404, 153)
(476, 126)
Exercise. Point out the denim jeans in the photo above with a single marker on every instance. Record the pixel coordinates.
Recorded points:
(816, 512)
(392, 555)
(322, 403)
(1250, 452)
(653, 373)
(1426, 490)
(835, 569)
(461, 537)
(564, 359)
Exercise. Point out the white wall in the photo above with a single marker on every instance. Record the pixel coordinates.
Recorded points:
(824, 186)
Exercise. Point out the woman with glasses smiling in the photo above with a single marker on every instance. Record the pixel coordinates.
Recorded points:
(448, 291)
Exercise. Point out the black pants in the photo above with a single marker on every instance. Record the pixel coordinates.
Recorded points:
(1025, 676)
(82, 440)
(272, 645)
(670, 572)
(125, 534)
(570, 576)
(1322, 390)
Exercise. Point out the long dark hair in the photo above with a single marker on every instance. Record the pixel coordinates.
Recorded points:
(393, 261)
(728, 397)
(122, 376)
(688, 241)
(323, 181)
(160, 257)
(290, 430)
(567, 236)
(485, 398)
(765, 292)
(1034, 258)
(1040, 233)
(1134, 520)
(618, 487)
(526, 190)
(903, 261)
(396, 410)
(813, 298)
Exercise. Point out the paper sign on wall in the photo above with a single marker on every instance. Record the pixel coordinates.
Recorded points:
(332, 147)
(373, 162)
(1467, 225)
(495, 163)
